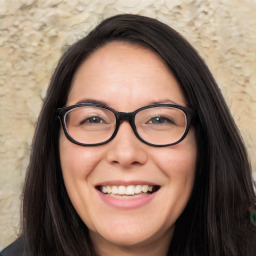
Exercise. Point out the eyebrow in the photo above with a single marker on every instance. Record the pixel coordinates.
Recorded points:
(101, 102)
(167, 101)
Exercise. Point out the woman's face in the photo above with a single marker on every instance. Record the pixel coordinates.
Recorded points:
(126, 77)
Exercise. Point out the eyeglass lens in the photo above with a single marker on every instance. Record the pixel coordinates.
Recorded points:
(156, 125)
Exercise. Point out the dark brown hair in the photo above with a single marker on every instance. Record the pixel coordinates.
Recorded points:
(215, 221)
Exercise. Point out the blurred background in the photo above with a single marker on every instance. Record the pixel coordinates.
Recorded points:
(34, 34)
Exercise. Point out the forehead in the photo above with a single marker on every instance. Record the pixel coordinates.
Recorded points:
(127, 72)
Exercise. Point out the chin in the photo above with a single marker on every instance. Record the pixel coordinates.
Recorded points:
(131, 237)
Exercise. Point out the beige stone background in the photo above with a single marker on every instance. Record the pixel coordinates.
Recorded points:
(33, 34)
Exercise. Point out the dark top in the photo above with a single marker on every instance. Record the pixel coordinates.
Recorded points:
(14, 249)
(17, 248)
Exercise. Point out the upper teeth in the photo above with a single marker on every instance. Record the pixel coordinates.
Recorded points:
(126, 190)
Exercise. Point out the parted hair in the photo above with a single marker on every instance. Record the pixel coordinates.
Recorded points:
(215, 220)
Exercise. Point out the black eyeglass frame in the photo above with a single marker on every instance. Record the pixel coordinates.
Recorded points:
(125, 116)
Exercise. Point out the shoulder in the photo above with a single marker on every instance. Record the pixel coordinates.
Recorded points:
(14, 249)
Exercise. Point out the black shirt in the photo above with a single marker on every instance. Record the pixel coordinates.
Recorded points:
(17, 248)
(14, 249)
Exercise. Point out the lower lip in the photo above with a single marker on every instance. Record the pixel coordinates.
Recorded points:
(127, 203)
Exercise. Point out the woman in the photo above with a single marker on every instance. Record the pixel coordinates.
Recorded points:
(136, 153)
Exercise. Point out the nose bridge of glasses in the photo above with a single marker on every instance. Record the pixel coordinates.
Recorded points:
(125, 116)
(129, 117)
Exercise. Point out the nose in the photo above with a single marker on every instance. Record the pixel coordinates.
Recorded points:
(126, 149)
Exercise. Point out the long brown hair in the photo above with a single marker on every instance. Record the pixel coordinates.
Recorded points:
(215, 221)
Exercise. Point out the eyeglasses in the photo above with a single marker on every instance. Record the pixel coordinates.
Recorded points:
(158, 125)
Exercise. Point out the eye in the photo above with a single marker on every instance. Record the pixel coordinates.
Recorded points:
(93, 120)
(160, 120)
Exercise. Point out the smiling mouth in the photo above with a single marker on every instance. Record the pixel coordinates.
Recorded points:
(130, 190)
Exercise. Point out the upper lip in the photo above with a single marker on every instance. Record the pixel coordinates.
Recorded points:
(126, 183)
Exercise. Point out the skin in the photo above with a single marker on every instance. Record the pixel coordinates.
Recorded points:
(127, 77)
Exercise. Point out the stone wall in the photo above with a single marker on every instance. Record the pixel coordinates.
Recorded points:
(33, 34)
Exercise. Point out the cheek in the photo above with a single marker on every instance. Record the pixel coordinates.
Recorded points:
(76, 161)
(179, 160)
(178, 164)
(180, 171)
(77, 164)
